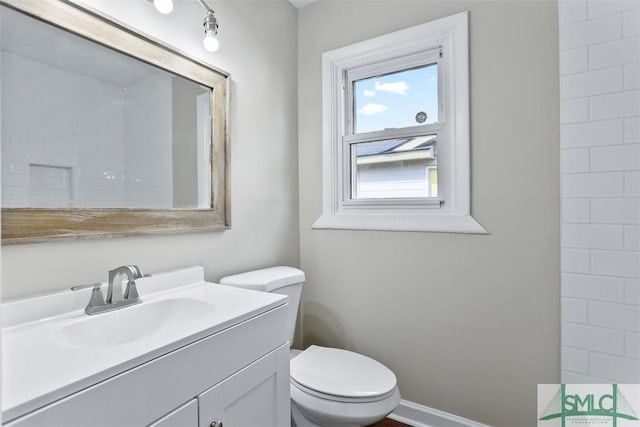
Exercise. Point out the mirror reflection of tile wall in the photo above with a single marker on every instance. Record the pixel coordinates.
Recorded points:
(106, 130)
(36, 134)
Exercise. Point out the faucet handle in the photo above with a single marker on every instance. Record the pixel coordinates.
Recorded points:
(131, 292)
(96, 300)
(89, 285)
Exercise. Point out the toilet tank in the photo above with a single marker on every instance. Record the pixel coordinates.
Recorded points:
(279, 280)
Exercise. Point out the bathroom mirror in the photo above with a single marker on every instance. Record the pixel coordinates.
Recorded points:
(104, 131)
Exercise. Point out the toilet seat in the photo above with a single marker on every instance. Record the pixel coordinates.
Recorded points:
(343, 399)
(341, 375)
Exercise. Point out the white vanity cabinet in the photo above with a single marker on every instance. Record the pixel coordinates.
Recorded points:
(186, 415)
(256, 396)
(238, 375)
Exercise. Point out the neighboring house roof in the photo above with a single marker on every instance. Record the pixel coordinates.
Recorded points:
(394, 150)
(378, 147)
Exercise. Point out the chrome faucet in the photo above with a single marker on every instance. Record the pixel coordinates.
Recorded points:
(115, 297)
(132, 272)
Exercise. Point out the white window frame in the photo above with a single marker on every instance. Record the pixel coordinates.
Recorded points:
(450, 212)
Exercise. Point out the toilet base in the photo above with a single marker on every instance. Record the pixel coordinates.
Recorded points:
(312, 411)
(299, 420)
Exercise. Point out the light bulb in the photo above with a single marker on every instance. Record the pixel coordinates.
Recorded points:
(163, 6)
(210, 41)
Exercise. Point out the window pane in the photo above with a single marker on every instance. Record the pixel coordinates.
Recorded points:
(396, 100)
(394, 168)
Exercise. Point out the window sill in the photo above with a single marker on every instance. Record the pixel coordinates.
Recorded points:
(424, 223)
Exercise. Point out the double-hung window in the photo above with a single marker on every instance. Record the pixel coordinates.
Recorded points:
(396, 132)
(393, 120)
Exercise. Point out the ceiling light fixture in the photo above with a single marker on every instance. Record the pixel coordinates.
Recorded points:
(163, 6)
(210, 22)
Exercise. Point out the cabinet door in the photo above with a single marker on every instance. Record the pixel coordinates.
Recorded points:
(184, 416)
(258, 395)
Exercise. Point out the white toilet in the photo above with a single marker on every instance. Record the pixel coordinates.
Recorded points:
(329, 386)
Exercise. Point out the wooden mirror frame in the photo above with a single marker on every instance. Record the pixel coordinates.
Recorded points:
(30, 225)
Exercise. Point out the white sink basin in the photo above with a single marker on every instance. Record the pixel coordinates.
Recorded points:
(52, 349)
(130, 323)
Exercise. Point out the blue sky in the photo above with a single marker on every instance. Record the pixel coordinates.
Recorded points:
(393, 100)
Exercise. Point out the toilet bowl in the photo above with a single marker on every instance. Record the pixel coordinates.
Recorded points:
(333, 387)
(329, 386)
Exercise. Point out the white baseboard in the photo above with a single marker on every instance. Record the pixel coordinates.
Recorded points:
(422, 416)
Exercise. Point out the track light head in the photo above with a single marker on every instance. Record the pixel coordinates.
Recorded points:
(210, 24)
(163, 6)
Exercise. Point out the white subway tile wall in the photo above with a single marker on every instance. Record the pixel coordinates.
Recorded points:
(632, 130)
(574, 60)
(573, 11)
(576, 160)
(602, 340)
(576, 211)
(632, 76)
(632, 344)
(588, 134)
(574, 310)
(579, 359)
(574, 110)
(591, 31)
(600, 143)
(587, 83)
(618, 52)
(592, 287)
(593, 236)
(592, 185)
(608, 7)
(621, 104)
(632, 238)
(35, 132)
(616, 158)
(575, 260)
(617, 369)
(631, 22)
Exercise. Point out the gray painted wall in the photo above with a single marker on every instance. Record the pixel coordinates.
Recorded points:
(469, 324)
(258, 48)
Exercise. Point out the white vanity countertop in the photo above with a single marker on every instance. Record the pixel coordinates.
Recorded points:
(40, 364)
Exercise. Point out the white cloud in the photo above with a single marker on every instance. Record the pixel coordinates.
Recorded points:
(399, 88)
(369, 92)
(372, 109)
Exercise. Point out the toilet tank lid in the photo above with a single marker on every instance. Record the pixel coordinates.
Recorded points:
(266, 279)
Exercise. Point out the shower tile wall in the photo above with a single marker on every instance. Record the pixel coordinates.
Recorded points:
(33, 134)
(38, 142)
(600, 143)
(147, 140)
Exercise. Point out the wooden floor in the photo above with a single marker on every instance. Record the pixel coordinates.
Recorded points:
(389, 423)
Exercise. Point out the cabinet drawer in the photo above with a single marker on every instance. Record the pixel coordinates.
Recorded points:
(143, 394)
